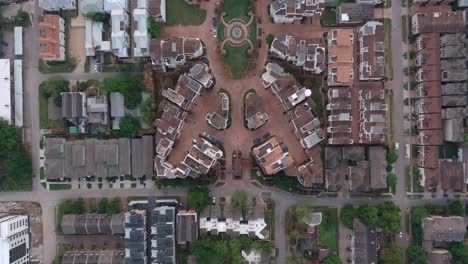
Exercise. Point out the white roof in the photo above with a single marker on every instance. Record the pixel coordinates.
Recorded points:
(5, 90)
(88, 6)
(18, 40)
(110, 5)
(18, 70)
(140, 35)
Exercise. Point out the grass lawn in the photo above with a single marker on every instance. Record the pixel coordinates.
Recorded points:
(220, 30)
(236, 9)
(388, 48)
(328, 229)
(328, 17)
(44, 121)
(237, 58)
(180, 12)
(253, 32)
(57, 187)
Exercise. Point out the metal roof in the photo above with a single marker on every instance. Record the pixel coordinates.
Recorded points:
(5, 90)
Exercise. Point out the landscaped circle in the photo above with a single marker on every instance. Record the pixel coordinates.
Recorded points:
(237, 32)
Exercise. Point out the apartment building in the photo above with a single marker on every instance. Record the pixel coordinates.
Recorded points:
(371, 39)
(52, 38)
(163, 249)
(15, 239)
(340, 57)
(306, 53)
(287, 12)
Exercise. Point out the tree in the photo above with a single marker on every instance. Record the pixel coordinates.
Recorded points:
(20, 171)
(129, 86)
(92, 205)
(9, 138)
(103, 204)
(22, 18)
(392, 181)
(198, 198)
(347, 215)
(417, 214)
(154, 28)
(391, 255)
(417, 255)
(459, 251)
(392, 157)
(456, 208)
(269, 39)
(210, 250)
(239, 199)
(368, 214)
(332, 260)
(53, 87)
(129, 126)
(389, 217)
(148, 111)
(114, 206)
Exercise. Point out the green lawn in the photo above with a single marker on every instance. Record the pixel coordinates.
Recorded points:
(180, 12)
(220, 30)
(328, 229)
(44, 121)
(236, 9)
(237, 59)
(57, 187)
(253, 32)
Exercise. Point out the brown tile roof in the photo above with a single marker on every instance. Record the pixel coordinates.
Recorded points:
(428, 105)
(340, 56)
(453, 175)
(271, 157)
(372, 63)
(430, 137)
(428, 157)
(50, 37)
(442, 22)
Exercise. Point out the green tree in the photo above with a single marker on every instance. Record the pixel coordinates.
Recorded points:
(347, 215)
(154, 28)
(239, 199)
(198, 198)
(129, 126)
(392, 157)
(19, 172)
(332, 260)
(389, 217)
(129, 86)
(9, 137)
(369, 214)
(417, 255)
(210, 250)
(53, 87)
(391, 255)
(417, 214)
(392, 181)
(103, 204)
(269, 39)
(459, 251)
(114, 206)
(148, 111)
(22, 18)
(92, 205)
(456, 208)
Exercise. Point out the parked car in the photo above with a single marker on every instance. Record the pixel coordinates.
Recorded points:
(215, 22)
(256, 141)
(397, 146)
(4, 43)
(215, 33)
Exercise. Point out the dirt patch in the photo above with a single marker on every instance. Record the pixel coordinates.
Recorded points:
(27, 208)
(90, 242)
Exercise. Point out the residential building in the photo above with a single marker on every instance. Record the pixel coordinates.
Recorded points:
(285, 11)
(371, 39)
(232, 223)
(96, 108)
(443, 229)
(306, 53)
(15, 239)
(92, 6)
(286, 88)
(52, 38)
(351, 14)
(199, 160)
(187, 226)
(5, 91)
(185, 93)
(93, 224)
(141, 36)
(341, 118)
(19, 95)
(340, 57)
(94, 257)
(200, 72)
(439, 22)
(362, 167)
(163, 249)
(135, 237)
(255, 115)
(440, 256)
(74, 106)
(94, 33)
(174, 52)
(433, 2)
(57, 5)
(270, 156)
(453, 177)
(307, 127)
(18, 41)
(372, 113)
(99, 158)
(220, 118)
(157, 9)
(117, 109)
(364, 242)
(120, 37)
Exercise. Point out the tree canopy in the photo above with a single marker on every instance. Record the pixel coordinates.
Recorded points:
(198, 198)
(210, 250)
(417, 255)
(9, 137)
(148, 111)
(347, 215)
(129, 86)
(392, 157)
(53, 87)
(392, 181)
(239, 199)
(391, 255)
(389, 217)
(98, 17)
(368, 214)
(456, 208)
(129, 126)
(154, 28)
(459, 251)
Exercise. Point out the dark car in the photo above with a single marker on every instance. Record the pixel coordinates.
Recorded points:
(4, 43)
(215, 22)
(256, 141)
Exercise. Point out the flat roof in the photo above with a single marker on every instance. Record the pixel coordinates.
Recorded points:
(18, 40)
(18, 70)
(5, 90)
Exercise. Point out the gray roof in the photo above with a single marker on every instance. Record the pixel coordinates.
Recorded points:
(378, 164)
(444, 229)
(162, 231)
(54, 158)
(142, 157)
(365, 242)
(454, 88)
(92, 224)
(68, 224)
(118, 224)
(88, 6)
(187, 228)
(453, 130)
(73, 104)
(354, 13)
(117, 104)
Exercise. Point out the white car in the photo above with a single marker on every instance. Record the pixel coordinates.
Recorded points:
(397, 146)
(215, 33)
(95, 67)
(400, 235)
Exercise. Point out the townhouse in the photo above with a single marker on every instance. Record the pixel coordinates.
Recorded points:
(286, 11)
(52, 38)
(171, 53)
